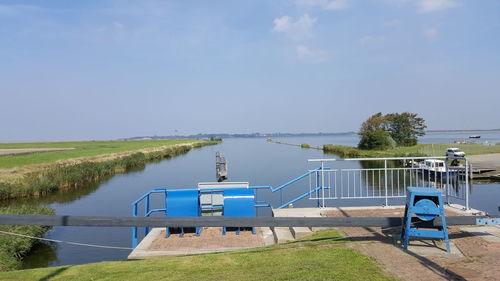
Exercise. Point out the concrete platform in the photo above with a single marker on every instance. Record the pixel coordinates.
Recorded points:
(282, 234)
(488, 233)
(432, 248)
(210, 241)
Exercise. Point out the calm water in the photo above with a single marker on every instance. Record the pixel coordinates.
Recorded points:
(252, 160)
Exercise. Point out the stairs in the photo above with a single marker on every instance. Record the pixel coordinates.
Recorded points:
(287, 234)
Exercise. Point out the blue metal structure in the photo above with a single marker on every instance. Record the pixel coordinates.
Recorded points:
(182, 203)
(239, 202)
(426, 204)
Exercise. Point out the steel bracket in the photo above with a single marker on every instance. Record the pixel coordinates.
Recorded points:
(488, 221)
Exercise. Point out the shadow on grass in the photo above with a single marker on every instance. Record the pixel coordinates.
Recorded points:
(53, 274)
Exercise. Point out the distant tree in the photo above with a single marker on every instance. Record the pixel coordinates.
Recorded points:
(387, 131)
(376, 122)
(405, 128)
(376, 139)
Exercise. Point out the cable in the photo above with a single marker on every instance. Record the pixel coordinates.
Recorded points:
(125, 248)
(67, 242)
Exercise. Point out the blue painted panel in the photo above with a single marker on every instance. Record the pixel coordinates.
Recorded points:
(239, 202)
(423, 190)
(182, 203)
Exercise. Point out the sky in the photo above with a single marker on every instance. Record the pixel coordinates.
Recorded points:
(107, 69)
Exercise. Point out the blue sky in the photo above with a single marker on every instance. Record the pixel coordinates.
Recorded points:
(108, 69)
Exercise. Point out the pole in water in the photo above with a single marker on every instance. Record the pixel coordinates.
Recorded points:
(220, 167)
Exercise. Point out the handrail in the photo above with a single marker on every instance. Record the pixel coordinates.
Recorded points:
(299, 178)
(300, 197)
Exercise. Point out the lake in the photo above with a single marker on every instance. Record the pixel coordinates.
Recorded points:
(252, 159)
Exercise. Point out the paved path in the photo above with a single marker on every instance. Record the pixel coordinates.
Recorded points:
(485, 160)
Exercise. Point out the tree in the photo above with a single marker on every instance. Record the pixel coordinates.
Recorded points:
(376, 139)
(386, 131)
(374, 133)
(405, 128)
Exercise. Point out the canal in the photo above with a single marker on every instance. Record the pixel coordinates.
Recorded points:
(252, 159)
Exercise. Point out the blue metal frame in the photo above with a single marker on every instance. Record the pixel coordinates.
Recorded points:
(426, 204)
(257, 204)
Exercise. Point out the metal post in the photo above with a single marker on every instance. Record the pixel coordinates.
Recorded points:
(466, 184)
(134, 229)
(447, 189)
(385, 176)
(146, 207)
(323, 183)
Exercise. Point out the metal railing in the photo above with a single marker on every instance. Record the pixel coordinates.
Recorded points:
(386, 178)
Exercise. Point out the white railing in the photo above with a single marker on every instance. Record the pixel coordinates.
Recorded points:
(387, 178)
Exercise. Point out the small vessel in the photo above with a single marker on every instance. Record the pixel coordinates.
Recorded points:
(475, 137)
(436, 169)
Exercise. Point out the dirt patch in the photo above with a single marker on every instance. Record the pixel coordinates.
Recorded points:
(210, 238)
(11, 151)
(480, 260)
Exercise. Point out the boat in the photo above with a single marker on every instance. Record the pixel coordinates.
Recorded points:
(436, 169)
(475, 137)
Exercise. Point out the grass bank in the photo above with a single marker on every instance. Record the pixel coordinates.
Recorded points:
(437, 149)
(77, 150)
(13, 248)
(74, 173)
(317, 257)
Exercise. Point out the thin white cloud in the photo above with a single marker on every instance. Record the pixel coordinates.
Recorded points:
(430, 32)
(426, 6)
(392, 23)
(14, 10)
(326, 4)
(307, 54)
(370, 39)
(300, 29)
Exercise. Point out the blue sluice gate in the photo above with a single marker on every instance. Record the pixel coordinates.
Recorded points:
(226, 199)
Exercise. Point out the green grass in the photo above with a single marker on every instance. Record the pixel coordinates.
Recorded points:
(13, 248)
(313, 258)
(81, 149)
(69, 175)
(417, 150)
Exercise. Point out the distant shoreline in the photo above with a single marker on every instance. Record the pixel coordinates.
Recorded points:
(281, 135)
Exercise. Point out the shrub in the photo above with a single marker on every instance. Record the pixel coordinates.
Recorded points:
(376, 140)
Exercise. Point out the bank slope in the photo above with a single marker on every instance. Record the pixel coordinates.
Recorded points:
(317, 257)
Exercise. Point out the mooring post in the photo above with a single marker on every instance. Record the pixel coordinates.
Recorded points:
(385, 176)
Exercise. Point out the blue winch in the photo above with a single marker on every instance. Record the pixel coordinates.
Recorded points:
(423, 206)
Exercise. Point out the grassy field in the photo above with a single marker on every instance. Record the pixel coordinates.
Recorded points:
(81, 149)
(36, 181)
(437, 149)
(317, 257)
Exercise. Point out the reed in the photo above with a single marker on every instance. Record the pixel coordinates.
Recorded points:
(14, 248)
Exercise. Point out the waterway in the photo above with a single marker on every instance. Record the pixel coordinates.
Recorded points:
(253, 160)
